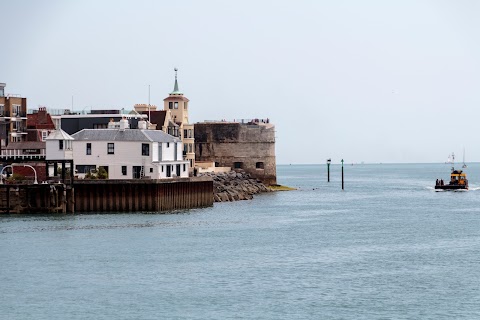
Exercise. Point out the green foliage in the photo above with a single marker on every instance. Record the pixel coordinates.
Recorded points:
(102, 173)
(67, 171)
(16, 177)
(91, 176)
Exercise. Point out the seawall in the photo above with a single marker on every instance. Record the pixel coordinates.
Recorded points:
(96, 196)
(143, 195)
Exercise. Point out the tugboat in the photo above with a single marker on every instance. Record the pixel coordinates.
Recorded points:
(458, 181)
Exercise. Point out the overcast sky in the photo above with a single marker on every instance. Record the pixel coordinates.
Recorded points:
(373, 81)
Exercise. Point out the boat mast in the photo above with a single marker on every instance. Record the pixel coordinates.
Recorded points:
(453, 161)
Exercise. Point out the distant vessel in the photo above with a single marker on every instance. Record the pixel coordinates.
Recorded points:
(458, 179)
(464, 164)
(451, 158)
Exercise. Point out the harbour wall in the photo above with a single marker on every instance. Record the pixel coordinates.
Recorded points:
(88, 196)
(143, 195)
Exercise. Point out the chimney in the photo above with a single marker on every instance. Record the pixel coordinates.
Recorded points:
(142, 124)
(124, 124)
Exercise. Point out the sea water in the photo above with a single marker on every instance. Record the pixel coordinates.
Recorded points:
(387, 247)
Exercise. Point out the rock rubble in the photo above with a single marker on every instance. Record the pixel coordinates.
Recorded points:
(234, 186)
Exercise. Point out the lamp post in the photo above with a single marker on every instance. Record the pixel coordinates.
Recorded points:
(35, 171)
(328, 169)
(342, 176)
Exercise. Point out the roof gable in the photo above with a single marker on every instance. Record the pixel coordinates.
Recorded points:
(59, 135)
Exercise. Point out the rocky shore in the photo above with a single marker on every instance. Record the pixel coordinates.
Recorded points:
(234, 186)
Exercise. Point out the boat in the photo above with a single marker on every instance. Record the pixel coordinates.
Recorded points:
(464, 164)
(458, 181)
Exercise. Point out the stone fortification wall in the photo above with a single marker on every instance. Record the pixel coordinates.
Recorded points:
(249, 147)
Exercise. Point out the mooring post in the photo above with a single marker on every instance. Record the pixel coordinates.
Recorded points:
(328, 169)
(8, 199)
(342, 176)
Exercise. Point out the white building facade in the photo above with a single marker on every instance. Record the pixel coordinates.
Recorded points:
(129, 153)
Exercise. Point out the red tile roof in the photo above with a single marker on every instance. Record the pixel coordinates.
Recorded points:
(40, 120)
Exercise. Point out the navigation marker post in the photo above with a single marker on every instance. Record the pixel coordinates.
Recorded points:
(342, 176)
(328, 169)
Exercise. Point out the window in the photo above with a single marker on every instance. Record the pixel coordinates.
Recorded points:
(16, 109)
(151, 170)
(44, 135)
(175, 105)
(185, 133)
(85, 168)
(111, 148)
(89, 148)
(168, 144)
(2, 108)
(60, 144)
(170, 105)
(237, 165)
(184, 167)
(145, 149)
(259, 165)
(162, 168)
(185, 106)
(124, 170)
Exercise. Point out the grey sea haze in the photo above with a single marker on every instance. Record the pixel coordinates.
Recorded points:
(388, 247)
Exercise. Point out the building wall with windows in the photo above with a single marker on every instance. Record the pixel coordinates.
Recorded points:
(13, 119)
(130, 159)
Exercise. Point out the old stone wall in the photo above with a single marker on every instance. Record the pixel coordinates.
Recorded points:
(250, 147)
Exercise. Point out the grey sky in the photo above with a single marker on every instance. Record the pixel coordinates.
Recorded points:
(373, 81)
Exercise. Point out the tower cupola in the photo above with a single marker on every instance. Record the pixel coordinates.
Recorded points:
(175, 91)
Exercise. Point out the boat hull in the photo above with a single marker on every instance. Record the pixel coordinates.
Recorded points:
(451, 187)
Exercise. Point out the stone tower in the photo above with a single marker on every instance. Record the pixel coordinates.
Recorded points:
(247, 146)
(177, 104)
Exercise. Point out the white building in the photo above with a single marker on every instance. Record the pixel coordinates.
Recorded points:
(59, 146)
(129, 153)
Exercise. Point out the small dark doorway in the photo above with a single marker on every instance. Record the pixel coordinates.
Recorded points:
(136, 172)
(169, 171)
(178, 170)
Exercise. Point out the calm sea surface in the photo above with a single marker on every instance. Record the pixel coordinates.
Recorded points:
(388, 247)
